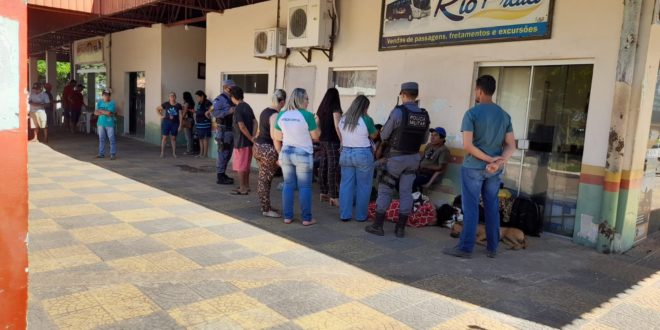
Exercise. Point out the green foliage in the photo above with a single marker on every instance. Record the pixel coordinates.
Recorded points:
(63, 70)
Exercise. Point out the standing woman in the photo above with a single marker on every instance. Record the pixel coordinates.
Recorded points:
(170, 113)
(105, 110)
(203, 122)
(356, 160)
(265, 153)
(328, 116)
(296, 128)
(188, 121)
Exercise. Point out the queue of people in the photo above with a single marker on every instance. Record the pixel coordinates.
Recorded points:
(352, 146)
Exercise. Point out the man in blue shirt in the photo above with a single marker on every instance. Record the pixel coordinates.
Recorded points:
(489, 142)
(223, 111)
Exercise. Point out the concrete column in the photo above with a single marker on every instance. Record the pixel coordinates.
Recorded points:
(615, 234)
(51, 68)
(33, 73)
(91, 89)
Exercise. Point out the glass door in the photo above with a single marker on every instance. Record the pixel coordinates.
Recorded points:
(548, 107)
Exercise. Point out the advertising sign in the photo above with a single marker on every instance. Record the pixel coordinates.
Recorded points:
(88, 51)
(433, 23)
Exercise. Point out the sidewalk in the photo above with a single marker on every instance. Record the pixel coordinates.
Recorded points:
(141, 242)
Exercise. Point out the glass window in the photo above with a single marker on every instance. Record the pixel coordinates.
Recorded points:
(548, 107)
(355, 81)
(252, 83)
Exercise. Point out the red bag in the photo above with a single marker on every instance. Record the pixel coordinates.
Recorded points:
(424, 216)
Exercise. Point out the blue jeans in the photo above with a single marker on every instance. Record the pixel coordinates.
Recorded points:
(475, 183)
(297, 167)
(108, 132)
(357, 173)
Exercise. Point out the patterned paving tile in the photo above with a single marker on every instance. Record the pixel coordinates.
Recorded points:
(90, 318)
(51, 240)
(144, 214)
(170, 295)
(43, 226)
(473, 320)
(71, 210)
(260, 317)
(308, 302)
(126, 248)
(108, 197)
(209, 219)
(64, 257)
(236, 231)
(268, 244)
(83, 221)
(98, 234)
(208, 255)
(162, 225)
(212, 288)
(159, 320)
(187, 238)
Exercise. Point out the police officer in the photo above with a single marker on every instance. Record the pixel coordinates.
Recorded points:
(403, 134)
(223, 111)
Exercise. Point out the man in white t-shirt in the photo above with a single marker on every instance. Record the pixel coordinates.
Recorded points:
(38, 100)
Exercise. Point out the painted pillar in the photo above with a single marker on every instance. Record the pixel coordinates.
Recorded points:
(612, 227)
(51, 68)
(13, 159)
(91, 89)
(34, 74)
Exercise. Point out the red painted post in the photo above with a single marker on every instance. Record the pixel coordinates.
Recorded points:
(13, 166)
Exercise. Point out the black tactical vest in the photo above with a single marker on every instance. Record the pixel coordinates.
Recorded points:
(409, 136)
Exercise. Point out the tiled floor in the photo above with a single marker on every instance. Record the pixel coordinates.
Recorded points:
(111, 247)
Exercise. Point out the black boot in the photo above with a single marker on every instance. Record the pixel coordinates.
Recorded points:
(377, 227)
(399, 230)
(224, 179)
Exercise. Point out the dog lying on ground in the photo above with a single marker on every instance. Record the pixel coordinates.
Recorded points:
(514, 238)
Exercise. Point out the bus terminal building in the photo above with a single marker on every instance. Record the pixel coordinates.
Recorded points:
(580, 79)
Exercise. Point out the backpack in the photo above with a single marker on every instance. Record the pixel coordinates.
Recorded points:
(526, 216)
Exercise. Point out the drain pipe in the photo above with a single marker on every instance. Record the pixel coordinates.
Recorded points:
(277, 25)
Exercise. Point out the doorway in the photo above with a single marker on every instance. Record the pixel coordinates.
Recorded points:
(136, 107)
(548, 106)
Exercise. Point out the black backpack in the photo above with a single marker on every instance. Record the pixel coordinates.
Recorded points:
(526, 216)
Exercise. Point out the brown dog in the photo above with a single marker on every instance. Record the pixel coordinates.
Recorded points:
(514, 238)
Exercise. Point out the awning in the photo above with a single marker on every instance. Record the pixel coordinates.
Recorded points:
(55, 24)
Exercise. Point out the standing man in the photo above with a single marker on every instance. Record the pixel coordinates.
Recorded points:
(489, 142)
(38, 101)
(66, 101)
(50, 108)
(434, 161)
(223, 111)
(105, 125)
(245, 131)
(403, 134)
(170, 113)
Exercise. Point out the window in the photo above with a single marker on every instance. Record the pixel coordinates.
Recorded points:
(355, 81)
(252, 83)
(548, 105)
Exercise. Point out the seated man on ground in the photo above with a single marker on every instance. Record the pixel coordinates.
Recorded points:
(434, 161)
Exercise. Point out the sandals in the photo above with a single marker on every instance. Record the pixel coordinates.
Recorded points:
(324, 197)
(334, 201)
(309, 223)
(239, 193)
(288, 221)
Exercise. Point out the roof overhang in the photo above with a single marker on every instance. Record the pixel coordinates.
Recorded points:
(56, 24)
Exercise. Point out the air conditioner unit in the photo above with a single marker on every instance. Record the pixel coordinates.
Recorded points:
(310, 24)
(270, 42)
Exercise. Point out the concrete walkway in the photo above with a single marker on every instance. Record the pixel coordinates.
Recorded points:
(145, 243)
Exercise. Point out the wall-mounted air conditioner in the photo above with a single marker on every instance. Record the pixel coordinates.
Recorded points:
(270, 42)
(310, 24)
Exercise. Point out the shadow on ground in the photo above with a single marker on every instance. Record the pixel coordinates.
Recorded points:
(553, 282)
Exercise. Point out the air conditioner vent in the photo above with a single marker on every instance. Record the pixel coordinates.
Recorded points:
(299, 22)
(261, 42)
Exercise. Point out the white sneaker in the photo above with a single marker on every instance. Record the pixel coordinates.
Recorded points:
(271, 214)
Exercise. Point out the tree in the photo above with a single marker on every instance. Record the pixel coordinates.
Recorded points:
(63, 70)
